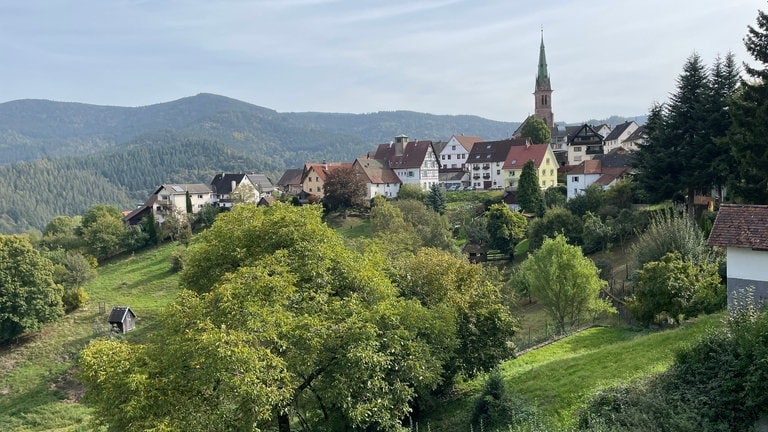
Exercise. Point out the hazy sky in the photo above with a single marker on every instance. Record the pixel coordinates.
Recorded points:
(438, 56)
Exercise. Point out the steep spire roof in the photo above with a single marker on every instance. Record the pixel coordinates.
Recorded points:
(542, 76)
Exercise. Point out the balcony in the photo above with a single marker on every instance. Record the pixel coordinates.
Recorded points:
(596, 149)
(486, 176)
(486, 167)
(476, 176)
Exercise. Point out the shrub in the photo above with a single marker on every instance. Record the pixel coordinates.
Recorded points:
(73, 298)
(177, 260)
(496, 408)
(669, 232)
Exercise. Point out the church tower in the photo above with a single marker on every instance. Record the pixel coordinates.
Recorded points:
(543, 92)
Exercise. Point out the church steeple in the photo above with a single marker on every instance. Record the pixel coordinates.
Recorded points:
(543, 90)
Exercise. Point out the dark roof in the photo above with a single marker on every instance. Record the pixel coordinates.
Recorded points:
(742, 226)
(588, 134)
(262, 182)
(266, 201)
(222, 183)
(291, 177)
(413, 155)
(618, 130)
(494, 151)
(118, 314)
(134, 217)
(615, 159)
(638, 134)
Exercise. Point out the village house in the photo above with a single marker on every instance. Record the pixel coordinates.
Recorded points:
(585, 144)
(455, 152)
(380, 180)
(603, 170)
(635, 140)
(486, 162)
(290, 181)
(225, 186)
(315, 174)
(620, 133)
(743, 231)
(543, 159)
(414, 162)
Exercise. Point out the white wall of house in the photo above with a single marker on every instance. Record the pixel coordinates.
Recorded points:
(746, 268)
(577, 183)
(454, 155)
(616, 143)
(388, 190)
(747, 264)
(492, 172)
(173, 202)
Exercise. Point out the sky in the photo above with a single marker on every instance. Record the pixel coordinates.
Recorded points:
(477, 57)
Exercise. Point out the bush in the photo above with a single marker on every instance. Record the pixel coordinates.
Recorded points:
(177, 260)
(669, 232)
(73, 298)
(495, 408)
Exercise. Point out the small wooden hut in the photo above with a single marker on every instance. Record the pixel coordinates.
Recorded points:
(122, 319)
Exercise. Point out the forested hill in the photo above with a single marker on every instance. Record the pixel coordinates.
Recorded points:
(34, 129)
(59, 158)
(33, 193)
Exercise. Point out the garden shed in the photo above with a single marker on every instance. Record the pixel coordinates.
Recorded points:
(122, 319)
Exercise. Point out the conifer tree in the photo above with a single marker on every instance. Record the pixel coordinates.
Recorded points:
(749, 111)
(528, 191)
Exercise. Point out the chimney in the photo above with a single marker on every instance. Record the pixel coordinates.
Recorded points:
(400, 142)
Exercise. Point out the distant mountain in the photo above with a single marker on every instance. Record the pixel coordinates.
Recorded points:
(60, 158)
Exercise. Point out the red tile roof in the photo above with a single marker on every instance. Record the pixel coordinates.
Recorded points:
(494, 151)
(322, 169)
(467, 141)
(519, 155)
(742, 226)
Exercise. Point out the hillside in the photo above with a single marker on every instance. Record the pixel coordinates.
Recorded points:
(38, 390)
(60, 158)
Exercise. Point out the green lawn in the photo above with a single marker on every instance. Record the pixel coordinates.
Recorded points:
(37, 390)
(558, 377)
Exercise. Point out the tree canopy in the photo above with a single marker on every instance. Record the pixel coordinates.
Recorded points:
(529, 195)
(343, 188)
(536, 130)
(283, 324)
(28, 295)
(565, 282)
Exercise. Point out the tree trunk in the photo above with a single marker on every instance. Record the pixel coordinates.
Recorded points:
(283, 422)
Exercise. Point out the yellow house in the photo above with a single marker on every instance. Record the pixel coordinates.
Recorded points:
(543, 159)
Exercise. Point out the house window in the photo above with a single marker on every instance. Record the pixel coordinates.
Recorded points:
(575, 179)
(551, 172)
(453, 165)
(453, 147)
(310, 179)
(410, 173)
(317, 178)
(449, 157)
(498, 172)
(577, 149)
(200, 196)
(442, 157)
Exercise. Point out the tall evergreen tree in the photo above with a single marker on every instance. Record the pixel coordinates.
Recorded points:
(750, 120)
(528, 191)
(436, 199)
(683, 155)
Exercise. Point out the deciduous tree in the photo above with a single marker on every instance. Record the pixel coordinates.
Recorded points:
(343, 188)
(505, 228)
(536, 130)
(29, 297)
(565, 282)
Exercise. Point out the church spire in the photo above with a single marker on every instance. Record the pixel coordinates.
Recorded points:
(543, 91)
(542, 76)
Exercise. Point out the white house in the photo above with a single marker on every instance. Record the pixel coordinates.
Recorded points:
(380, 180)
(619, 134)
(456, 151)
(743, 231)
(603, 170)
(414, 162)
(171, 199)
